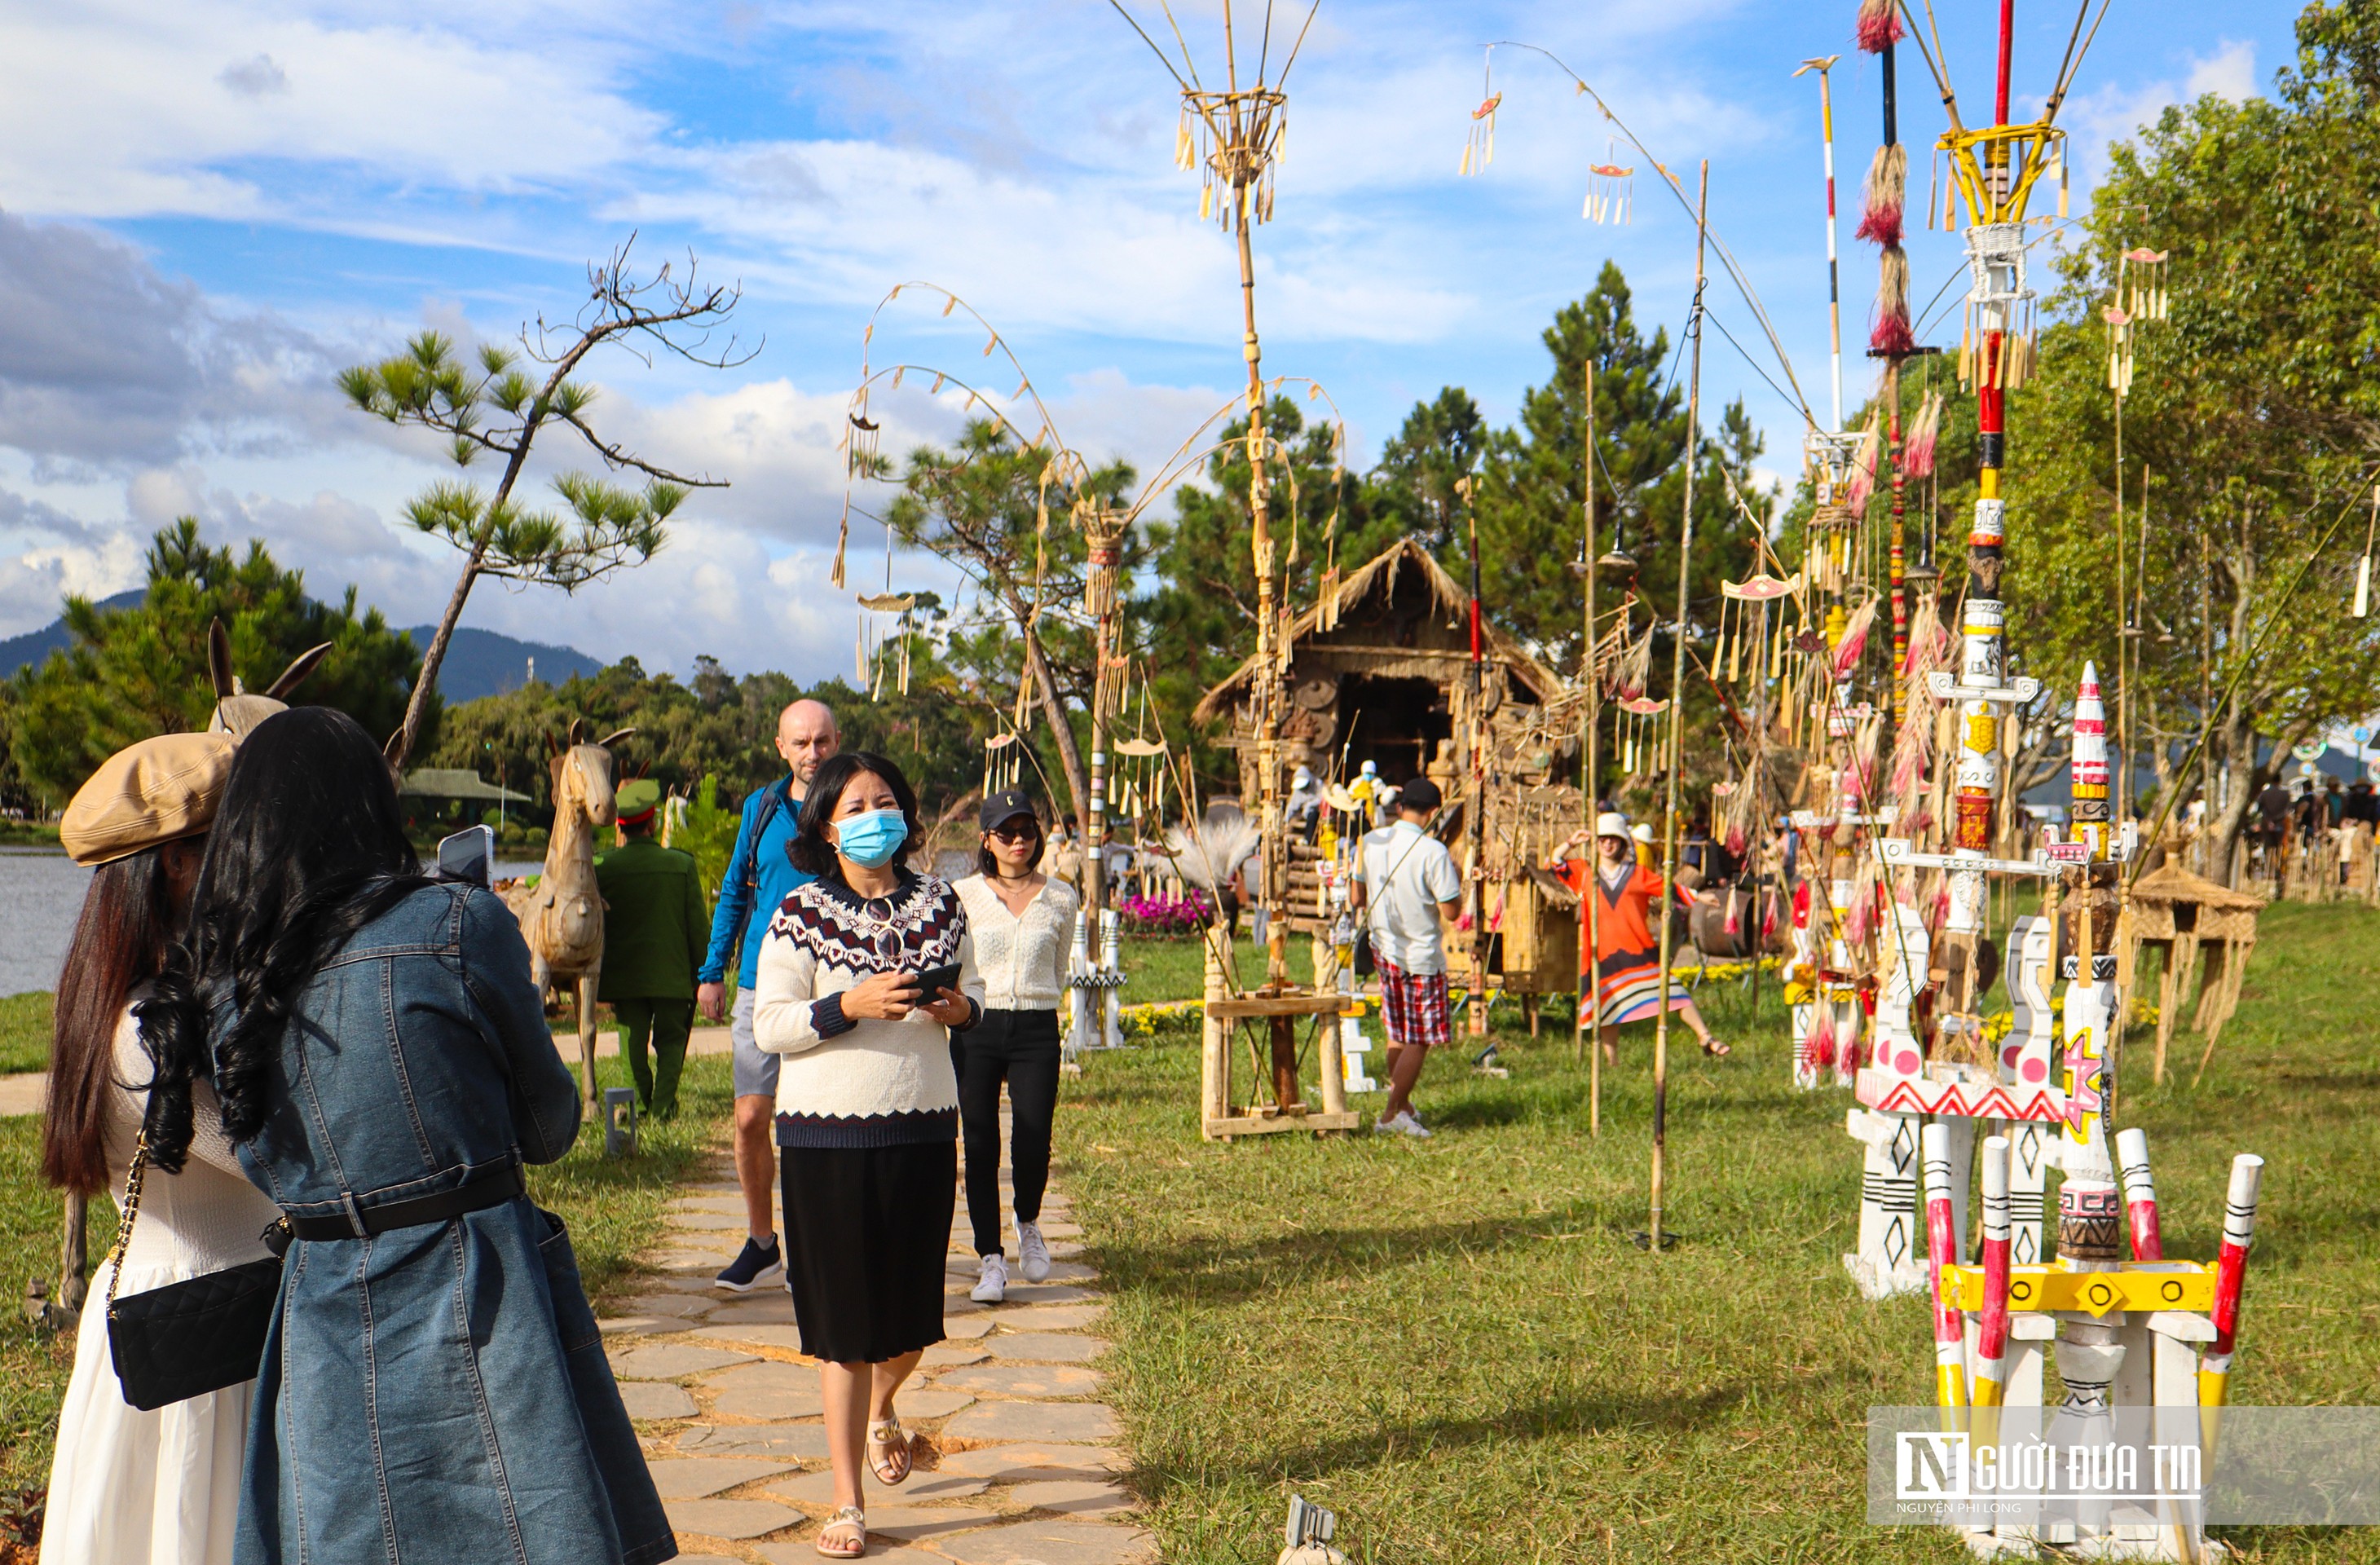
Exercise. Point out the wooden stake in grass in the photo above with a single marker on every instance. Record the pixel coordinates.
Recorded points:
(1654, 1237)
(1590, 1006)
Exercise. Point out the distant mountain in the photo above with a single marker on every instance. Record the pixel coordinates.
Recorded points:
(479, 662)
(482, 662)
(35, 646)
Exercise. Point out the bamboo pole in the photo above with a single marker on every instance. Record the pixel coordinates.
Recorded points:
(1475, 814)
(1653, 1236)
(1590, 762)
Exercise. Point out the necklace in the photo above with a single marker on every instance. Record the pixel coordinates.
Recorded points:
(878, 933)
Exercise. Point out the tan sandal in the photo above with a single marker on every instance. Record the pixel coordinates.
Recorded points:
(893, 1467)
(849, 1531)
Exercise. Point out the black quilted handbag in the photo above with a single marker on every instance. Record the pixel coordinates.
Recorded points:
(186, 1339)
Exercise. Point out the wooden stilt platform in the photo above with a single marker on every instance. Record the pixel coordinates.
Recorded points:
(1288, 1111)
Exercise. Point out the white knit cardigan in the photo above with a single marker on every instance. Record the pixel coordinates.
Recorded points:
(1023, 954)
(849, 1083)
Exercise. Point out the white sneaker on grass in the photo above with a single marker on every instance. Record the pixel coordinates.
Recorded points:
(1032, 1252)
(1405, 1123)
(992, 1287)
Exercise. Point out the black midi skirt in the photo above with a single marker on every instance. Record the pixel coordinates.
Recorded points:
(867, 1231)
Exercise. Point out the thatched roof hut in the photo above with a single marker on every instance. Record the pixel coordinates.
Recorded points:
(1377, 670)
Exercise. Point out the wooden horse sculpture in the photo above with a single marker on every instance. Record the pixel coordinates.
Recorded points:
(562, 916)
(237, 709)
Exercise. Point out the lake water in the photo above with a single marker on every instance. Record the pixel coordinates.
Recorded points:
(40, 897)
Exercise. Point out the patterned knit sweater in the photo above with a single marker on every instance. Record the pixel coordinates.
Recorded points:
(850, 1083)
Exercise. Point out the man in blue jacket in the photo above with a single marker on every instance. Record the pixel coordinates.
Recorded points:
(759, 876)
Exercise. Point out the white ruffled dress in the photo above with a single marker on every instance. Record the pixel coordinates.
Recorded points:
(128, 1487)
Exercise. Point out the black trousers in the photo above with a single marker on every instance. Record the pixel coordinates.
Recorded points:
(1020, 1046)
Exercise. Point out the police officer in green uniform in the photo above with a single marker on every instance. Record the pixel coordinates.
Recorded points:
(654, 933)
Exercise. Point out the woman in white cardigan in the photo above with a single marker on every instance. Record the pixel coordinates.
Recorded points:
(128, 1487)
(1022, 921)
(867, 1108)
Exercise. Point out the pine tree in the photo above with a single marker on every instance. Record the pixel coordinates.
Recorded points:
(133, 672)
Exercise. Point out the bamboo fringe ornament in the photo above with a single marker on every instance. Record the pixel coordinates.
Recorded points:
(1913, 744)
(1879, 26)
(1635, 669)
(1223, 133)
(1892, 337)
(1611, 189)
(1864, 466)
(1885, 196)
(1479, 147)
(1925, 433)
(2363, 608)
(2145, 296)
(1855, 641)
(2120, 348)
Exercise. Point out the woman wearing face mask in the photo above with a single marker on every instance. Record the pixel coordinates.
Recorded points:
(1021, 921)
(868, 1114)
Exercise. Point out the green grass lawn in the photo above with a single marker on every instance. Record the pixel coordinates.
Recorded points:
(25, 1021)
(614, 1208)
(1176, 970)
(1456, 1345)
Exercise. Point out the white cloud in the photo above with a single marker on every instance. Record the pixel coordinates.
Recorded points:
(2228, 73)
(2117, 111)
(715, 591)
(121, 109)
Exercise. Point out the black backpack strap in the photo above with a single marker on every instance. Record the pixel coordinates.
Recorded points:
(772, 800)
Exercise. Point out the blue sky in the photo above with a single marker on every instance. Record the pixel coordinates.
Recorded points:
(209, 206)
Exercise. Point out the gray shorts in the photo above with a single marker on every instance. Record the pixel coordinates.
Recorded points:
(756, 1068)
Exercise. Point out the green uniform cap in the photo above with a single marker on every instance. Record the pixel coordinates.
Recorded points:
(638, 797)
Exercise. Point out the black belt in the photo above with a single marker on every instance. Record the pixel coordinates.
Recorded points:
(490, 1189)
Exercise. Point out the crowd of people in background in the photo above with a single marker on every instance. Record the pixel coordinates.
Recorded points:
(314, 1075)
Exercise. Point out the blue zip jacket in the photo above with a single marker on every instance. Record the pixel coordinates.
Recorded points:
(759, 876)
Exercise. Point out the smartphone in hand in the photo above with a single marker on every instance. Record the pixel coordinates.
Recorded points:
(469, 855)
(933, 980)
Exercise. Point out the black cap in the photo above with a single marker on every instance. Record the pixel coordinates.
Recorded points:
(1419, 793)
(1006, 804)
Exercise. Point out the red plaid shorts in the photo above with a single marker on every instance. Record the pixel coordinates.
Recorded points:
(1414, 1005)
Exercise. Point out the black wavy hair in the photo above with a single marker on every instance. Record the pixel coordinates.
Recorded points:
(809, 850)
(308, 847)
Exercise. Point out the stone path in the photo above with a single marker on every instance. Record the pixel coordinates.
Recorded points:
(1018, 1462)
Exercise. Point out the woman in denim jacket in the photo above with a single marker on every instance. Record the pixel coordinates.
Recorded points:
(434, 1386)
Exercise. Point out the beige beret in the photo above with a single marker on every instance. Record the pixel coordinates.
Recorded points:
(146, 793)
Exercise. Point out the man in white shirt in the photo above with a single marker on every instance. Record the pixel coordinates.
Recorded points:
(1405, 882)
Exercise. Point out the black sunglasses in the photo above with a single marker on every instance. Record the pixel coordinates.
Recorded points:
(1007, 833)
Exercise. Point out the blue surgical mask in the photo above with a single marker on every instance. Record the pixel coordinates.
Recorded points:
(872, 839)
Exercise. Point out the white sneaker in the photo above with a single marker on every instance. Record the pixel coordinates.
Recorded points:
(1404, 1124)
(993, 1287)
(1032, 1252)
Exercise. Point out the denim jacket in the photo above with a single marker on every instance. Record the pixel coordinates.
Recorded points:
(432, 1392)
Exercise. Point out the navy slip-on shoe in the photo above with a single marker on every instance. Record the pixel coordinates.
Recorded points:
(756, 1264)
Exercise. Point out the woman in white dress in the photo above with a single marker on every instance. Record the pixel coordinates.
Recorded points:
(1022, 921)
(128, 1487)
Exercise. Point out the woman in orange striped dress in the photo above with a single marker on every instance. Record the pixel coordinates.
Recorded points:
(1628, 949)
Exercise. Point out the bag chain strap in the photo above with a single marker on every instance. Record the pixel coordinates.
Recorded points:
(131, 1214)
